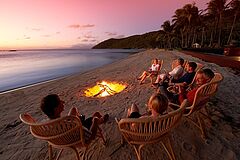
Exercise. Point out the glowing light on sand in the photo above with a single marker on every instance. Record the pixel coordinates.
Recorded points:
(104, 89)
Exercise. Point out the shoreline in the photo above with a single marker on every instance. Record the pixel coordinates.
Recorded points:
(223, 142)
(36, 82)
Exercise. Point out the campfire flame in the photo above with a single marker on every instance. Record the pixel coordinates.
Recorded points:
(104, 89)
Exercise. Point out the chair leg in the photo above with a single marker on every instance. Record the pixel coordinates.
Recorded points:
(50, 151)
(75, 150)
(201, 126)
(84, 153)
(59, 154)
(138, 150)
(101, 135)
(166, 143)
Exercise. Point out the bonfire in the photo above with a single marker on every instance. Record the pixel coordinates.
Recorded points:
(104, 89)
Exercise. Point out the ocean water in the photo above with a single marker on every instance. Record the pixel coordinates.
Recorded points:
(21, 68)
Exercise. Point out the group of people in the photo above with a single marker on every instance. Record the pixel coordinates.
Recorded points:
(157, 105)
(180, 81)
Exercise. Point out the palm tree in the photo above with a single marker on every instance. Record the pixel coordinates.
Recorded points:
(217, 8)
(185, 20)
(235, 6)
(167, 28)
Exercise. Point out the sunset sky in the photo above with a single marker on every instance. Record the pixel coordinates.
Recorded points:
(26, 24)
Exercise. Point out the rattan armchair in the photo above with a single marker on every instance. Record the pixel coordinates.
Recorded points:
(146, 130)
(201, 98)
(62, 133)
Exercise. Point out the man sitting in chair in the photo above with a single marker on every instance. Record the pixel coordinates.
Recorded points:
(203, 76)
(187, 78)
(176, 73)
(53, 107)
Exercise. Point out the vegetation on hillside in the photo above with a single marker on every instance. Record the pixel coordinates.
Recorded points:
(216, 26)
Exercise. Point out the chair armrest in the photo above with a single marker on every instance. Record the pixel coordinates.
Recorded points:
(174, 106)
(117, 121)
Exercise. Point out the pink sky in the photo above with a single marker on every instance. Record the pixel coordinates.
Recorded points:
(77, 23)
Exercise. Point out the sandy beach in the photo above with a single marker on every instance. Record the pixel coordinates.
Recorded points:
(223, 143)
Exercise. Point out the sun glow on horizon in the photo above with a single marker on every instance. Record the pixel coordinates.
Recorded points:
(79, 23)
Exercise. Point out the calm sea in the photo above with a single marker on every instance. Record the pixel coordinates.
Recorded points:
(21, 68)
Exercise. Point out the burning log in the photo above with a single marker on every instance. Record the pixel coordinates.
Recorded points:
(104, 89)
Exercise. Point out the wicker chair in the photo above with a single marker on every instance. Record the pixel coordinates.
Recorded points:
(146, 130)
(153, 76)
(201, 98)
(62, 133)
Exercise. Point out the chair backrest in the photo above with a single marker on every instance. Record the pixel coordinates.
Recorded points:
(204, 93)
(65, 131)
(148, 130)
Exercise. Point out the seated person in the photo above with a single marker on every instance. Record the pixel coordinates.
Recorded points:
(53, 107)
(203, 76)
(187, 78)
(176, 73)
(153, 70)
(157, 105)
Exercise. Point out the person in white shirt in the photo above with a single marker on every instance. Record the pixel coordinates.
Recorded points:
(176, 73)
(152, 70)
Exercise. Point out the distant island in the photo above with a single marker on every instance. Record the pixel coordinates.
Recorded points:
(214, 27)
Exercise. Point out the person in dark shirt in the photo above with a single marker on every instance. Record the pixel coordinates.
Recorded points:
(187, 78)
(53, 106)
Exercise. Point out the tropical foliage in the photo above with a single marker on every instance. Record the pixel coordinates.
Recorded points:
(216, 26)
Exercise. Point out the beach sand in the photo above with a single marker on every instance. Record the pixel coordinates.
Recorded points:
(223, 143)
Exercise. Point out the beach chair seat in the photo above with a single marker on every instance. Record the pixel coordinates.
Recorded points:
(203, 94)
(62, 133)
(139, 132)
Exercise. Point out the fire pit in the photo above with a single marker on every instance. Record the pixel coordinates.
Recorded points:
(104, 89)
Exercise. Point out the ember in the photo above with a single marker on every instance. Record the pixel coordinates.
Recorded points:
(104, 89)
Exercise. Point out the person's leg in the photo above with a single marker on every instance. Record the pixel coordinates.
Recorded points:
(140, 77)
(145, 74)
(94, 129)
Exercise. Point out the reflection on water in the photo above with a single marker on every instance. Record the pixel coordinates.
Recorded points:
(26, 67)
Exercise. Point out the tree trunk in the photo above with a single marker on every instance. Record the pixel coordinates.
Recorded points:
(234, 21)
(202, 36)
(220, 30)
(182, 42)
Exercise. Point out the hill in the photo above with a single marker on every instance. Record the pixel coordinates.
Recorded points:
(147, 40)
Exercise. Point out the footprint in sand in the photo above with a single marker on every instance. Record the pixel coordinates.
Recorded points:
(13, 124)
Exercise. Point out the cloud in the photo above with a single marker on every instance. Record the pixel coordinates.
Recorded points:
(114, 35)
(58, 32)
(111, 33)
(88, 36)
(46, 35)
(26, 37)
(36, 29)
(93, 40)
(120, 36)
(84, 40)
(82, 46)
(78, 26)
